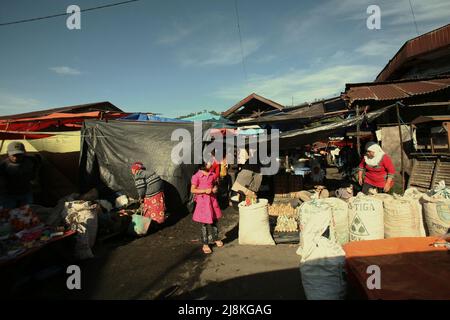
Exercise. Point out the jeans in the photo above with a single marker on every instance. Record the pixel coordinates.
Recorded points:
(16, 201)
(210, 233)
(366, 187)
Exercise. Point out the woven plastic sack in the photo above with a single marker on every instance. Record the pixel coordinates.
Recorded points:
(254, 228)
(82, 217)
(322, 260)
(366, 218)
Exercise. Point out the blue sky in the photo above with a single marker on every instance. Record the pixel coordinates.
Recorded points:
(175, 57)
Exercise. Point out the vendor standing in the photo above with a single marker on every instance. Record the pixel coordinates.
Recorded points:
(17, 173)
(377, 168)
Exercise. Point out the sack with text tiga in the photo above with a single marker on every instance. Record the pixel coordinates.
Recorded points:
(366, 218)
(254, 228)
(322, 260)
(82, 217)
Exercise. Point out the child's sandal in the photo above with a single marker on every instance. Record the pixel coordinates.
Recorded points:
(206, 250)
(219, 244)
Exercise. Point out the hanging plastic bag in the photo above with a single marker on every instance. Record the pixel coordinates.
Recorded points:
(139, 224)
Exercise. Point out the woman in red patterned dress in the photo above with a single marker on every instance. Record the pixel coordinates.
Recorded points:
(150, 189)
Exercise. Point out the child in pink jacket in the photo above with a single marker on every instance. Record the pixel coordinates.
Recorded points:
(207, 210)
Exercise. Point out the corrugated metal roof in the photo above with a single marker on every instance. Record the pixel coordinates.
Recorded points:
(304, 112)
(395, 90)
(428, 42)
(96, 106)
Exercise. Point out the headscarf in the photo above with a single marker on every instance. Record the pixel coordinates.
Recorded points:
(137, 166)
(379, 153)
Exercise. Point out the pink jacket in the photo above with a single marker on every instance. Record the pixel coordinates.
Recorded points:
(207, 209)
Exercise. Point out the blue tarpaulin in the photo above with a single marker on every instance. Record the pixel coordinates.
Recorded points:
(204, 116)
(145, 117)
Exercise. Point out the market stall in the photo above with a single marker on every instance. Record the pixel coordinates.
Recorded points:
(22, 233)
(406, 237)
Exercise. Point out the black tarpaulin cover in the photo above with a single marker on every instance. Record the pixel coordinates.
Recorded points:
(109, 148)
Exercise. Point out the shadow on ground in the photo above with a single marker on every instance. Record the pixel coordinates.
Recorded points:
(279, 285)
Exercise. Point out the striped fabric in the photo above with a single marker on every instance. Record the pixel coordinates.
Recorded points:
(147, 183)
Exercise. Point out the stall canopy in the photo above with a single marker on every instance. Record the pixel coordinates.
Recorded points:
(44, 123)
(203, 116)
(109, 148)
(81, 108)
(54, 136)
(45, 126)
(149, 117)
(323, 132)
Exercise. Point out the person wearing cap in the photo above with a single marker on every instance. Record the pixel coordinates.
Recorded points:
(377, 168)
(17, 171)
(150, 190)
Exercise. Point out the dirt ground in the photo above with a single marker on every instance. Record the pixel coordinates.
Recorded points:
(169, 264)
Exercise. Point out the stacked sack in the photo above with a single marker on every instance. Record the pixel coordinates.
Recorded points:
(254, 228)
(402, 216)
(366, 218)
(339, 224)
(322, 260)
(339, 231)
(82, 217)
(436, 207)
(308, 210)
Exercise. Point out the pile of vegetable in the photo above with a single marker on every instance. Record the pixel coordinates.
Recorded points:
(287, 216)
(284, 208)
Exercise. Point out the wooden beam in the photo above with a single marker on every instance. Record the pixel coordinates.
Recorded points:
(447, 127)
(401, 147)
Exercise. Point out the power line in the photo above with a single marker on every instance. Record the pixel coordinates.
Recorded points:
(240, 40)
(64, 14)
(414, 17)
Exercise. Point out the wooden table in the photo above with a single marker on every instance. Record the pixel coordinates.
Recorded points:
(31, 251)
(410, 268)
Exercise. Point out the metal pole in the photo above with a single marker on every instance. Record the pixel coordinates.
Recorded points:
(401, 146)
(358, 142)
(3, 140)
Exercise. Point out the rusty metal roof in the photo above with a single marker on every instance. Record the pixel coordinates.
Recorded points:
(394, 90)
(426, 43)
